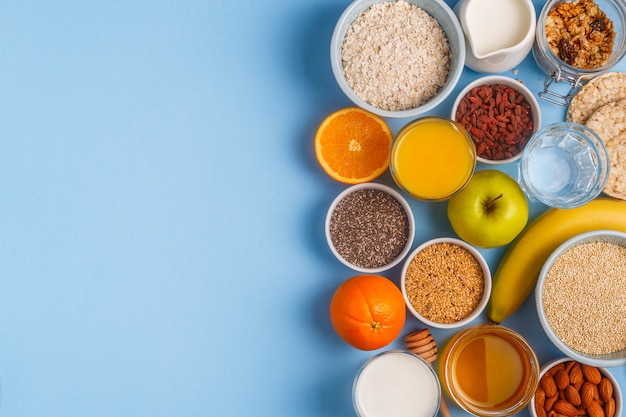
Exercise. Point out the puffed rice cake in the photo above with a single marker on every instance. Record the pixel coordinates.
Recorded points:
(616, 184)
(601, 90)
(609, 122)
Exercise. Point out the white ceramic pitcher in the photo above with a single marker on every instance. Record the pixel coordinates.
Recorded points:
(499, 34)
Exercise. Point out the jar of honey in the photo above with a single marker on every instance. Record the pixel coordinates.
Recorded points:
(489, 370)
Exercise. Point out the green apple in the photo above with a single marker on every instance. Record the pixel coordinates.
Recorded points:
(490, 211)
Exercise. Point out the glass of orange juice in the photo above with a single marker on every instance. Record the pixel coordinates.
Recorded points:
(432, 158)
(489, 370)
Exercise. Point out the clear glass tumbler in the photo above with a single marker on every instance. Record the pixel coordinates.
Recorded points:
(564, 165)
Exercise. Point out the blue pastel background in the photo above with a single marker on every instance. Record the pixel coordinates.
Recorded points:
(161, 211)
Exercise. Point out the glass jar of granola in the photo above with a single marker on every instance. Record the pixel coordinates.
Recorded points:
(577, 40)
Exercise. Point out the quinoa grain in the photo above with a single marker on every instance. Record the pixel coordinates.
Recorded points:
(584, 297)
(444, 282)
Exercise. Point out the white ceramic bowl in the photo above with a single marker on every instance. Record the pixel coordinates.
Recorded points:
(608, 360)
(410, 219)
(449, 23)
(486, 288)
(617, 393)
(509, 82)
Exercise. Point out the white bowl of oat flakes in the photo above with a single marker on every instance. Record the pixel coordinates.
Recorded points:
(398, 58)
(446, 283)
(580, 297)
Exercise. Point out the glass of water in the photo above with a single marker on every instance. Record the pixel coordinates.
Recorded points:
(564, 165)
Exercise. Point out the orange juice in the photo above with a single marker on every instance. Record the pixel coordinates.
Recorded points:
(490, 370)
(432, 158)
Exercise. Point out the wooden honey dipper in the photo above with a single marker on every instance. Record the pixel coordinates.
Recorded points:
(422, 343)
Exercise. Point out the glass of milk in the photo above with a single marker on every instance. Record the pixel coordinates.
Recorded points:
(564, 165)
(396, 383)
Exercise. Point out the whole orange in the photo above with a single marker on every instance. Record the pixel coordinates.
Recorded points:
(368, 311)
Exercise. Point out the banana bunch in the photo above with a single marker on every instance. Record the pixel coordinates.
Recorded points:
(517, 273)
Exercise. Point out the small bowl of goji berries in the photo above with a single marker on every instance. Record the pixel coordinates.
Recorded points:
(500, 114)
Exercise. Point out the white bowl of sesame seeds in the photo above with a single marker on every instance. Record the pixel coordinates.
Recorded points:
(446, 283)
(580, 297)
(398, 58)
(370, 227)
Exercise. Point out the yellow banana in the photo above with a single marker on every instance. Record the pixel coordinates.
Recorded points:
(517, 273)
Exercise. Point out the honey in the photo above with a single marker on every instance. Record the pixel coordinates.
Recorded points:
(490, 370)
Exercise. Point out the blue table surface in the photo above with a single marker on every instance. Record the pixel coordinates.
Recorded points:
(161, 211)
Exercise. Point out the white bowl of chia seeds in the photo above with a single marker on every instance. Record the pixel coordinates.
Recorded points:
(370, 227)
(398, 58)
(580, 297)
(446, 283)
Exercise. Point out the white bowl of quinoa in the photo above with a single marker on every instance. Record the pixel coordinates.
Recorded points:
(398, 58)
(370, 227)
(446, 283)
(580, 297)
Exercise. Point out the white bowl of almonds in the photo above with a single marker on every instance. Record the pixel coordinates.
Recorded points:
(568, 387)
(580, 297)
(446, 283)
(398, 58)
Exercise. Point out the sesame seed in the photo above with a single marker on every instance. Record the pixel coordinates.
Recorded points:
(444, 282)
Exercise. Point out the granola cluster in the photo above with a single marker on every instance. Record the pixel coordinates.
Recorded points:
(580, 34)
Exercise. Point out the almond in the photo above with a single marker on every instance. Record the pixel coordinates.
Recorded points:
(609, 408)
(565, 408)
(572, 395)
(605, 387)
(550, 402)
(556, 368)
(576, 374)
(548, 385)
(594, 410)
(592, 374)
(586, 394)
(540, 396)
(561, 378)
(540, 399)
(541, 412)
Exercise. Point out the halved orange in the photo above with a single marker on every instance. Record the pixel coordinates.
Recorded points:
(352, 145)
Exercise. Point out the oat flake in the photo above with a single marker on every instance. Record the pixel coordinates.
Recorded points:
(395, 56)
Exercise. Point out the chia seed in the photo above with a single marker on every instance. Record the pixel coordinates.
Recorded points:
(369, 228)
